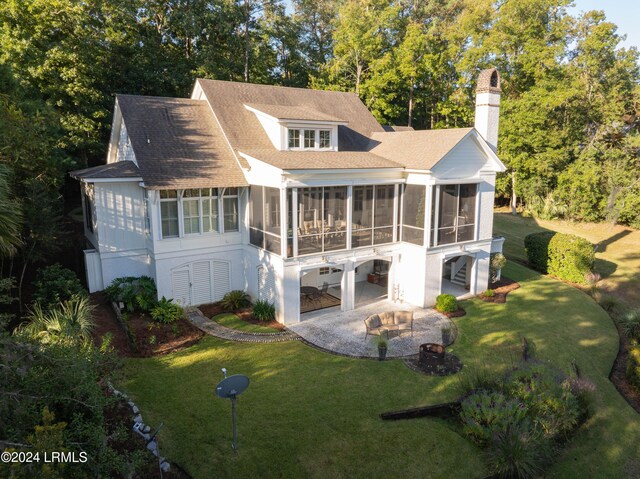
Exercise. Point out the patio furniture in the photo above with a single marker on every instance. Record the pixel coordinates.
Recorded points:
(309, 292)
(389, 321)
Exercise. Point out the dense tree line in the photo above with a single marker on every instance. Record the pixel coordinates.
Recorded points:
(569, 125)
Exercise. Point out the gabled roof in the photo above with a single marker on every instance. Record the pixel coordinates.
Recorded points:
(243, 129)
(178, 144)
(303, 113)
(419, 150)
(320, 160)
(120, 169)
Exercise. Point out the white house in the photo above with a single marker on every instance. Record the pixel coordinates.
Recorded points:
(268, 189)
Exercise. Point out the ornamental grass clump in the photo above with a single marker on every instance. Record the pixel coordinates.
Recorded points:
(264, 311)
(521, 419)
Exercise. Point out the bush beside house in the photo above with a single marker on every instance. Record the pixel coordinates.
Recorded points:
(567, 257)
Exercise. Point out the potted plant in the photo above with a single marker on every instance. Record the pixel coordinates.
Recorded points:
(383, 345)
(447, 335)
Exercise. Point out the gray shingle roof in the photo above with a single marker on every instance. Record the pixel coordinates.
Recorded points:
(282, 112)
(420, 149)
(244, 131)
(320, 160)
(178, 143)
(120, 169)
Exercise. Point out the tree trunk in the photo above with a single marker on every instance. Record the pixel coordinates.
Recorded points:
(410, 104)
(514, 198)
(247, 19)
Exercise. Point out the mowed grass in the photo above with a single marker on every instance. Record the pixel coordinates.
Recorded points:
(617, 249)
(232, 321)
(311, 414)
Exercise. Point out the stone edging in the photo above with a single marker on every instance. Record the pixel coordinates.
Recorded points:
(141, 428)
(124, 326)
(199, 320)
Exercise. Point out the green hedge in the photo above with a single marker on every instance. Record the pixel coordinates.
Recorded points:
(564, 256)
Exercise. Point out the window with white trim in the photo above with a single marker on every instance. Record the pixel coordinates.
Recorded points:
(169, 213)
(197, 211)
(230, 209)
(309, 139)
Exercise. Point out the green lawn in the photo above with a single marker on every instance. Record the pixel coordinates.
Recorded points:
(312, 414)
(232, 321)
(617, 251)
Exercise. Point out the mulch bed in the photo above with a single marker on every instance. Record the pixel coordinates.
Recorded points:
(455, 314)
(213, 309)
(151, 338)
(501, 289)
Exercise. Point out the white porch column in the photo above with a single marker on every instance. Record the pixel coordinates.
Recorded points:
(480, 276)
(289, 311)
(348, 287)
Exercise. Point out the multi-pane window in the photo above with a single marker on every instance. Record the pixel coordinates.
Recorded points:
(191, 211)
(325, 138)
(169, 213)
(230, 208)
(209, 210)
(309, 138)
(294, 138)
(198, 211)
(454, 214)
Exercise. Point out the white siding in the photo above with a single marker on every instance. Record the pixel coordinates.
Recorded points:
(486, 193)
(125, 150)
(266, 285)
(465, 160)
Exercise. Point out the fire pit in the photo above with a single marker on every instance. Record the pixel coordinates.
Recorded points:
(431, 354)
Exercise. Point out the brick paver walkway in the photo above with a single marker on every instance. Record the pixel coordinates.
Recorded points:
(214, 329)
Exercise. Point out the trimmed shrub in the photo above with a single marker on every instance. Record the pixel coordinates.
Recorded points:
(264, 311)
(489, 293)
(568, 257)
(135, 293)
(571, 258)
(234, 300)
(536, 246)
(166, 311)
(55, 284)
(446, 303)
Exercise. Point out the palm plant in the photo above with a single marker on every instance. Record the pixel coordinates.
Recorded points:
(10, 217)
(69, 322)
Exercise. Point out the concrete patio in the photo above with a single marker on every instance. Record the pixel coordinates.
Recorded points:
(344, 332)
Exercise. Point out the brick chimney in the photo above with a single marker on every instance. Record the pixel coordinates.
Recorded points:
(488, 106)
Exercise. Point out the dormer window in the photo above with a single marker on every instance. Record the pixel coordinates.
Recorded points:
(307, 139)
(294, 138)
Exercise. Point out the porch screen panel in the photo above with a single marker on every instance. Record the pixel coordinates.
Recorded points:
(309, 220)
(383, 214)
(335, 214)
(413, 214)
(272, 219)
(256, 223)
(362, 217)
(467, 213)
(448, 214)
(264, 218)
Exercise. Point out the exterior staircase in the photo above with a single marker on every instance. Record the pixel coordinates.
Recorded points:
(460, 276)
